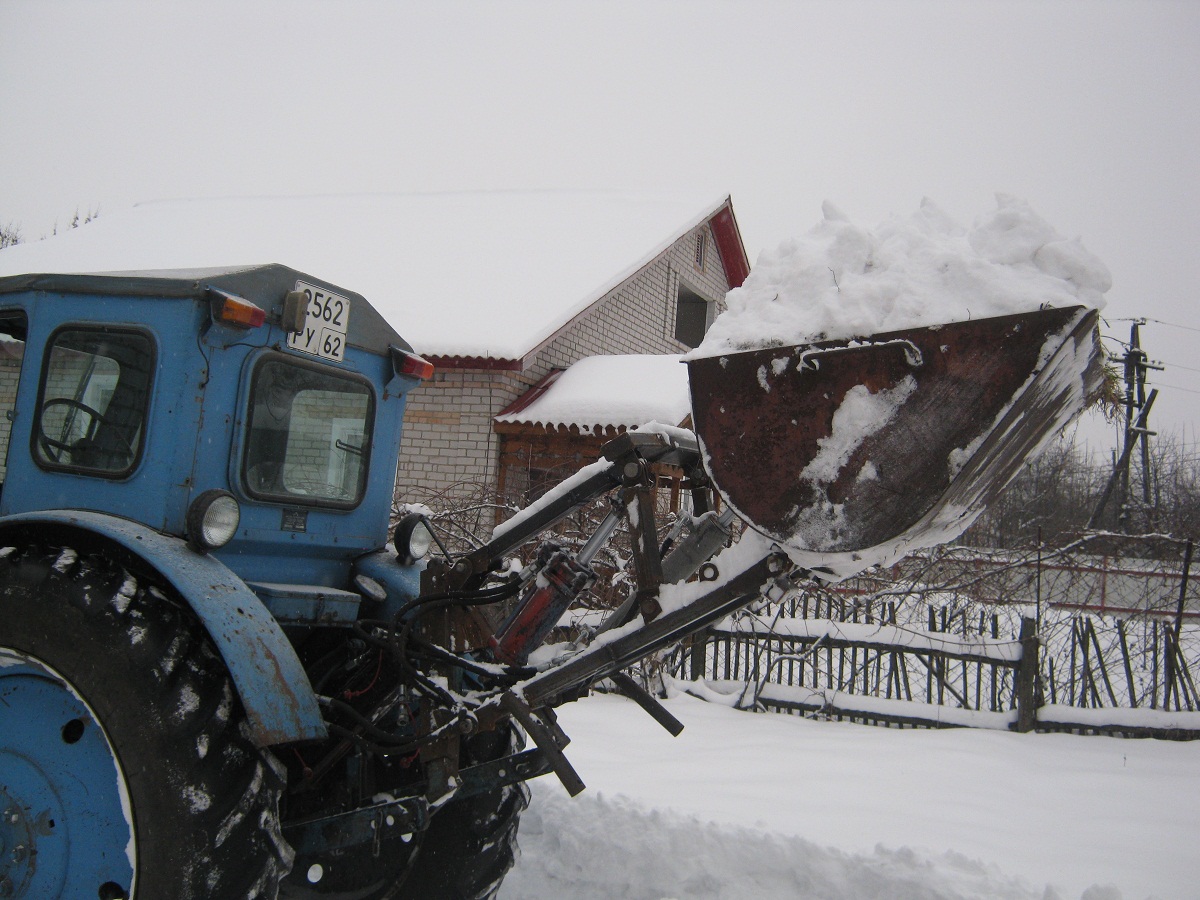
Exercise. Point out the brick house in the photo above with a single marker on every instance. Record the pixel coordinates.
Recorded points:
(661, 304)
(499, 288)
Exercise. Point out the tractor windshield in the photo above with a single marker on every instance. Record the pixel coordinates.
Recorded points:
(309, 434)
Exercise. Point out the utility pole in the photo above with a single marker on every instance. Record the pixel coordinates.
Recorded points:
(1137, 433)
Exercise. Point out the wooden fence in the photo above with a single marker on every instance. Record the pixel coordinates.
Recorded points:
(937, 658)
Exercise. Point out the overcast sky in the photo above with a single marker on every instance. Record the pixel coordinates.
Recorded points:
(1088, 110)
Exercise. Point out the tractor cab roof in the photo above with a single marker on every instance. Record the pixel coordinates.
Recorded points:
(264, 285)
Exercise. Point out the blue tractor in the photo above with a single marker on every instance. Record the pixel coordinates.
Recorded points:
(226, 672)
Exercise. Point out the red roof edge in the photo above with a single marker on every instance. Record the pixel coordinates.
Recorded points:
(729, 242)
(487, 363)
(523, 402)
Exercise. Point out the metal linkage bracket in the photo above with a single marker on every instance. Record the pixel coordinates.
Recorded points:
(320, 835)
(547, 737)
(627, 453)
(647, 701)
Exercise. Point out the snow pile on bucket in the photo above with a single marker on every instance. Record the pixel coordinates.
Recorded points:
(843, 281)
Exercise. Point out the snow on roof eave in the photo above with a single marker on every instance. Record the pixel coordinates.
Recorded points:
(486, 363)
(518, 420)
(593, 297)
(582, 427)
(511, 413)
(635, 389)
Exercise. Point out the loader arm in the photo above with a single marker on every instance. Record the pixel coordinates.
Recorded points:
(956, 410)
(701, 605)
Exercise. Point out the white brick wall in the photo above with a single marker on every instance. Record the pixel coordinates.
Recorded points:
(448, 443)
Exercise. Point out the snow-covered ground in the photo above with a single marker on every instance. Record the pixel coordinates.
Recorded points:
(772, 806)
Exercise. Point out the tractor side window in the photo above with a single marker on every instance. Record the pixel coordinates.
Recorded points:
(94, 397)
(12, 354)
(309, 434)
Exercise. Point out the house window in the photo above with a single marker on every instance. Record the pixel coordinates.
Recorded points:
(693, 315)
(701, 249)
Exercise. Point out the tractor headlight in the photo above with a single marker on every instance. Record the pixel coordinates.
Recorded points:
(212, 519)
(413, 537)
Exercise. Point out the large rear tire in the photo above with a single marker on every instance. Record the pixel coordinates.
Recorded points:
(123, 749)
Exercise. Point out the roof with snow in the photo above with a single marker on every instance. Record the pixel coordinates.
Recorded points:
(492, 275)
(602, 391)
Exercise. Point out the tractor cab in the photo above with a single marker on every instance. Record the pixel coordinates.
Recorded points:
(254, 413)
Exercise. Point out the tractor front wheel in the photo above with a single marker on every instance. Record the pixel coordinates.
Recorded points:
(472, 842)
(125, 767)
(469, 846)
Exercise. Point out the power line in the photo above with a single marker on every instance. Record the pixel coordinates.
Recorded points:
(1172, 324)
(1176, 387)
(1126, 345)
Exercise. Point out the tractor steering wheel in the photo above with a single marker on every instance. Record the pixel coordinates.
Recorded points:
(55, 449)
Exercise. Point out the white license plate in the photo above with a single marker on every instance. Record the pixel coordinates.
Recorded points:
(325, 324)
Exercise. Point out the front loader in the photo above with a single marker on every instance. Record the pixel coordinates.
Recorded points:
(224, 673)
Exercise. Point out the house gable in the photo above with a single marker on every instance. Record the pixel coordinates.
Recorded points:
(722, 266)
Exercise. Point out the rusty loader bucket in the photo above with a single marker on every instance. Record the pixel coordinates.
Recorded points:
(874, 447)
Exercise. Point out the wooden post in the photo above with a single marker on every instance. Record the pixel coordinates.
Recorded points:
(1133, 699)
(1101, 664)
(1171, 644)
(1087, 683)
(1038, 594)
(1188, 684)
(854, 656)
(1169, 648)
(1154, 664)
(698, 655)
(1169, 686)
(1074, 643)
(1183, 586)
(1027, 676)
(966, 689)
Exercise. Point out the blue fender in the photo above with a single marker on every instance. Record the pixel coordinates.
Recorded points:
(273, 687)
